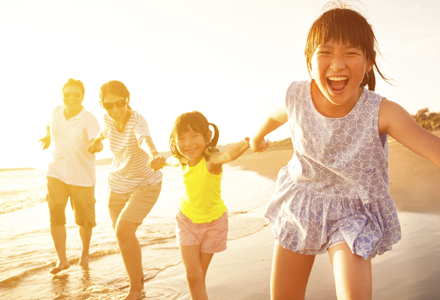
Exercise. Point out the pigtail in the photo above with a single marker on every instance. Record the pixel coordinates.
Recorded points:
(370, 80)
(210, 146)
(214, 140)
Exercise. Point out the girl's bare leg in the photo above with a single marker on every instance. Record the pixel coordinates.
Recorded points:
(352, 273)
(196, 266)
(290, 274)
(132, 256)
(205, 260)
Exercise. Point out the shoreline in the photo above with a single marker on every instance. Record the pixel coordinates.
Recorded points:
(15, 169)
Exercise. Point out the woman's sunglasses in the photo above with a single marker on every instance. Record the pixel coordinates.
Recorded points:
(110, 105)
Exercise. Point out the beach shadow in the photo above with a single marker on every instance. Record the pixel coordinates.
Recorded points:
(77, 284)
(60, 286)
(86, 279)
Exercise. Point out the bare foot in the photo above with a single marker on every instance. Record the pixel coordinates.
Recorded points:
(60, 267)
(135, 295)
(84, 261)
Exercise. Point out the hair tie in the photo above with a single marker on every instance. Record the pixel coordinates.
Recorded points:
(182, 160)
(209, 150)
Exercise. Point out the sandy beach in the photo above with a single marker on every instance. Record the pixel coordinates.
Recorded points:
(410, 271)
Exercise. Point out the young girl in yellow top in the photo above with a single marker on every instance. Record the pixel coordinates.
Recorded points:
(202, 220)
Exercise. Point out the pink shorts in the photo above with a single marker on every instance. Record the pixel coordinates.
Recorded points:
(210, 236)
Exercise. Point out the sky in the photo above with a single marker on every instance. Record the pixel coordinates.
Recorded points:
(232, 60)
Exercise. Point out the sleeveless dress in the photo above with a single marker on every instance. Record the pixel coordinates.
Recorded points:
(336, 186)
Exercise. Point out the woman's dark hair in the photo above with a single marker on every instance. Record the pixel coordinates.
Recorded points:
(347, 26)
(192, 121)
(114, 87)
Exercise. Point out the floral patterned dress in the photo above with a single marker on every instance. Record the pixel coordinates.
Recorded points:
(336, 186)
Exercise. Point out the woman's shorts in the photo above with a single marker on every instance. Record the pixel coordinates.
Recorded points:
(82, 200)
(135, 206)
(211, 236)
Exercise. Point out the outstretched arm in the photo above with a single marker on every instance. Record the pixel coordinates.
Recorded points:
(398, 123)
(96, 144)
(277, 118)
(156, 161)
(231, 153)
(45, 142)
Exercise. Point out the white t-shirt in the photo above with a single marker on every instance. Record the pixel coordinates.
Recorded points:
(71, 161)
(129, 168)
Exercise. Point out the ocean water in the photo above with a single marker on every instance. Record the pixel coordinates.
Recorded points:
(27, 253)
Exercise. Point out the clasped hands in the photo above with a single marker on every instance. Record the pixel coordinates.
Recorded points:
(156, 162)
(258, 146)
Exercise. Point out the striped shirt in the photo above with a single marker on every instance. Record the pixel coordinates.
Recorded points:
(129, 168)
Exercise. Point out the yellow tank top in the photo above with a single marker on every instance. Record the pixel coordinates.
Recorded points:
(201, 201)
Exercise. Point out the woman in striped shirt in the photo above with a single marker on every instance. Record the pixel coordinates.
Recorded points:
(133, 186)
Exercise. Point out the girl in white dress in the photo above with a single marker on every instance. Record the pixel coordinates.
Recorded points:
(333, 196)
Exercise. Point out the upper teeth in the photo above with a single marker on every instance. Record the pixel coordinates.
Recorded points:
(334, 78)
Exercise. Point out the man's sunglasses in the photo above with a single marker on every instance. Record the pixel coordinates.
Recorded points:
(110, 105)
(75, 95)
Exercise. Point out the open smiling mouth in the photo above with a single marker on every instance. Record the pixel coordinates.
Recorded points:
(191, 151)
(337, 83)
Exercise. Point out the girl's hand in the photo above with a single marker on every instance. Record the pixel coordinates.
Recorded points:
(156, 162)
(96, 146)
(259, 146)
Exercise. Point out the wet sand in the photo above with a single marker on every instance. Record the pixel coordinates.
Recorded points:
(410, 271)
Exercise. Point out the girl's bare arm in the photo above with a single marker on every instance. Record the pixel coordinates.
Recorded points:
(277, 118)
(231, 153)
(398, 123)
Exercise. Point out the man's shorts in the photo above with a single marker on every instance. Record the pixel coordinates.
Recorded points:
(212, 237)
(135, 206)
(82, 200)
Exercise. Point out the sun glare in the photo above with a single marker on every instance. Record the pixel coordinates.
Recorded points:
(232, 62)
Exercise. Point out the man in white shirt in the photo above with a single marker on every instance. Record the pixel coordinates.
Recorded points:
(71, 171)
